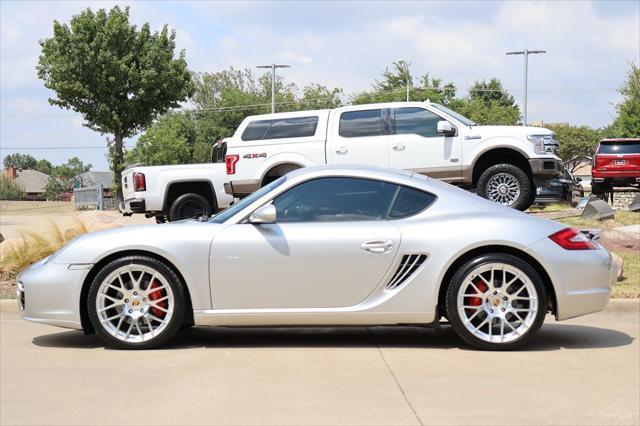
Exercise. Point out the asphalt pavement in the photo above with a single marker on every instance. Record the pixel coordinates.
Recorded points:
(584, 371)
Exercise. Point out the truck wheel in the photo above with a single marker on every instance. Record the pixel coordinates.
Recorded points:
(189, 206)
(508, 185)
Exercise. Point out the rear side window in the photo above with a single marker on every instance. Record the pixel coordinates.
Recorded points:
(416, 121)
(218, 152)
(619, 148)
(355, 124)
(410, 201)
(294, 127)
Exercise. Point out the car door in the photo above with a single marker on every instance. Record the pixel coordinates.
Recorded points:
(359, 136)
(330, 247)
(414, 144)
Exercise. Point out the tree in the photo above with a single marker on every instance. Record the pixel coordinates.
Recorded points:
(118, 77)
(488, 103)
(316, 96)
(576, 143)
(393, 87)
(10, 189)
(64, 177)
(170, 140)
(20, 161)
(627, 124)
(44, 166)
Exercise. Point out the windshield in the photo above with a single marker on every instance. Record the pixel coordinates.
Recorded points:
(224, 215)
(461, 118)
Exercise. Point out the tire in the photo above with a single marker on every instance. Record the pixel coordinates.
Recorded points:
(516, 312)
(508, 185)
(189, 206)
(130, 316)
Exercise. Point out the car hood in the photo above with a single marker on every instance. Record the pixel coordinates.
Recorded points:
(519, 132)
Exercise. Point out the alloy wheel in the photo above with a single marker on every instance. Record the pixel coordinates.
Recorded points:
(497, 303)
(135, 303)
(503, 188)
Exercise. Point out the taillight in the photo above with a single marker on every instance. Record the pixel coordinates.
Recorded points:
(572, 239)
(231, 161)
(139, 182)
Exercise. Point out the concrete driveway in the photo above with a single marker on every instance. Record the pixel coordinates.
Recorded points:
(582, 371)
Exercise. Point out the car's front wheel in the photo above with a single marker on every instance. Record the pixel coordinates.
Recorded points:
(496, 302)
(508, 185)
(136, 302)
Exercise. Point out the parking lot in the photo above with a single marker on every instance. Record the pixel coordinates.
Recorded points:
(581, 371)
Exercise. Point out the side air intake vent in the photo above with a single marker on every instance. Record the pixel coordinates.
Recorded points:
(408, 265)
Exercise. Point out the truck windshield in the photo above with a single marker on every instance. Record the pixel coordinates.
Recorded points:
(461, 118)
(231, 211)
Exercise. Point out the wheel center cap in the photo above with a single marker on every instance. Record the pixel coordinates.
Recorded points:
(502, 189)
(135, 303)
(497, 302)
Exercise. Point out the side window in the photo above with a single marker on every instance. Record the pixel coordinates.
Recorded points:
(297, 127)
(417, 121)
(354, 124)
(294, 127)
(410, 201)
(335, 199)
(256, 130)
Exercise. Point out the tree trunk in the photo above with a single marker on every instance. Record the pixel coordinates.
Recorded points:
(118, 165)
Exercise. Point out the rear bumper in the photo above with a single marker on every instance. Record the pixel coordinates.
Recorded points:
(545, 167)
(582, 279)
(129, 207)
(615, 178)
(241, 188)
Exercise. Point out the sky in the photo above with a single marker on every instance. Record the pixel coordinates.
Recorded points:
(342, 44)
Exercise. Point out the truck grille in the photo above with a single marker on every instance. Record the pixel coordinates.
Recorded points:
(408, 266)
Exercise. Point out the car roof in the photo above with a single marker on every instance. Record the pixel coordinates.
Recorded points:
(621, 140)
(357, 170)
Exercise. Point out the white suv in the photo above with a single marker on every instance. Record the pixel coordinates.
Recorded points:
(502, 163)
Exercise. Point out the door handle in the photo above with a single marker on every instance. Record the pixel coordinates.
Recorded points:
(377, 246)
(399, 147)
(342, 150)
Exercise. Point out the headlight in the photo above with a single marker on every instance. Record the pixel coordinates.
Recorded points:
(544, 144)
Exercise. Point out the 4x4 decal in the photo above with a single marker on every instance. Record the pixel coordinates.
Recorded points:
(255, 155)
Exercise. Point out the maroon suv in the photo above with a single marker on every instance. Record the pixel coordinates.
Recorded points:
(616, 163)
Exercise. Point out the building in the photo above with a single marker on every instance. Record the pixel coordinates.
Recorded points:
(32, 182)
(89, 179)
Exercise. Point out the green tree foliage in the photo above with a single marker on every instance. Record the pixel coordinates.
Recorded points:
(64, 177)
(10, 189)
(44, 166)
(170, 140)
(488, 103)
(576, 143)
(393, 87)
(627, 124)
(118, 77)
(20, 161)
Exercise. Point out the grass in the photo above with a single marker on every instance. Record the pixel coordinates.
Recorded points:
(548, 208)
(33, 246)
(630, 284)
(622, 218)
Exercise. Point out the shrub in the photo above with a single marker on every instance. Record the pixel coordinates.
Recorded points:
(9, 189)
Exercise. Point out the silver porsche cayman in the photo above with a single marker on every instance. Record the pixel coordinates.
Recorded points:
(322, 247)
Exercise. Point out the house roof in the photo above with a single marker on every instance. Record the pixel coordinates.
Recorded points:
(32, 181)
(94, 178)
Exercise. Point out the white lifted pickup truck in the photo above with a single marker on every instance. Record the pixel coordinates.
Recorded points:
(175, 192)
(504, 164)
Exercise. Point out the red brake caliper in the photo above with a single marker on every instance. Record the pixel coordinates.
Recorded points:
(477, 301)
(155, 295)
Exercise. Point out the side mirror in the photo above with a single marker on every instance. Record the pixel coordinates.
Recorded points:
(578, 180)
(445, 128)
(265, 214)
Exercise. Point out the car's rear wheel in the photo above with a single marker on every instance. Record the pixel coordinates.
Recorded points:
(508, 185)
(136, 302)
(189, 206)
(496, 302)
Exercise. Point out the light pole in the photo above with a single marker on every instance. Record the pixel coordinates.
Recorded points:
(525, 53)
(273, 82)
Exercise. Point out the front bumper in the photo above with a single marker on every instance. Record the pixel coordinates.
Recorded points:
(582, 279)
(50, 294)
(546, 167)
(129, 207)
